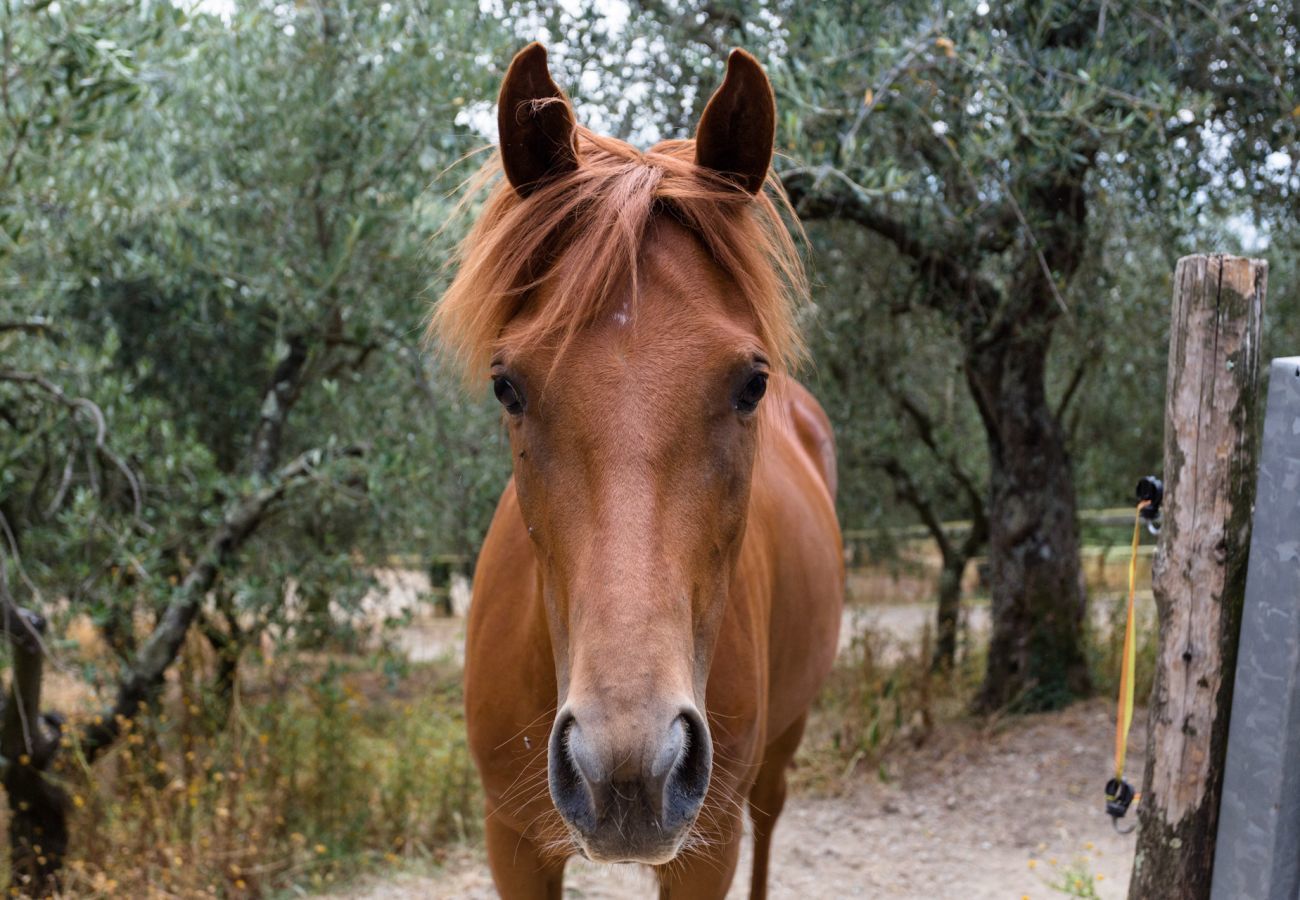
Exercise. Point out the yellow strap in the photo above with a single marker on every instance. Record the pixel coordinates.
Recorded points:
(1124, 717)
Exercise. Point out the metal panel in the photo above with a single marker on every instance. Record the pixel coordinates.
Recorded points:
(1258, 848)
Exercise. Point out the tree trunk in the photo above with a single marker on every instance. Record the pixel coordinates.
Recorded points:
(945, 643)
(38, 808)
(228, 645)
(955, 559)
(1036, 658)
(38, 830)
(1199, 576)
(278, 398)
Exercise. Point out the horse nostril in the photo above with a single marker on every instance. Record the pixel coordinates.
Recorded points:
(670, 752)
(687, 783)
(625, 798)
(569, 787)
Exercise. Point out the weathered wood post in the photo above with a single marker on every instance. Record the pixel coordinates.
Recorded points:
(1258, 846)
(1200, 568)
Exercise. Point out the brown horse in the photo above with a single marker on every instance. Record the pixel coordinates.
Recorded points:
(658, 598)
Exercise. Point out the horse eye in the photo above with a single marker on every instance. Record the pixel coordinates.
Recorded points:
(751, 393)
(508, 395)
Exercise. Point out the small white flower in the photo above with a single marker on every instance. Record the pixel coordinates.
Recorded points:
(939, 128)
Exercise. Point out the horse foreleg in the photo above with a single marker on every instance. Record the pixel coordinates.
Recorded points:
(767, 798)
(520, 869)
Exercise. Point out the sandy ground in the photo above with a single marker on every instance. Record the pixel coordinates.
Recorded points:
(1006, 811)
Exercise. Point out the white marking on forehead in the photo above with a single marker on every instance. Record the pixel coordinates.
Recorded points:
(622, 315)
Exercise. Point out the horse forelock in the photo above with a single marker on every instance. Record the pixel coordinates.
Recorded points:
(580, 235)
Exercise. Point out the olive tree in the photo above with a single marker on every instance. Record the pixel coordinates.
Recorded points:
(218, 234)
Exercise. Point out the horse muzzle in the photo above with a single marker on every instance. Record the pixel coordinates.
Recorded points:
(629, 800)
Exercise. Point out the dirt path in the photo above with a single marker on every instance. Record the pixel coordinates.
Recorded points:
(996, 812)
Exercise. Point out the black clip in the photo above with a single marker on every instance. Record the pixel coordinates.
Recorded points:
(1152, 490)
(1119, 796)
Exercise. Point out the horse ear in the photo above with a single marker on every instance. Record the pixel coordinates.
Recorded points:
(736, 133)
(535, 123)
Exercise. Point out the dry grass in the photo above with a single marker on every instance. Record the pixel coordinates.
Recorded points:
(315, 770)
(883, 697)
(879, 696)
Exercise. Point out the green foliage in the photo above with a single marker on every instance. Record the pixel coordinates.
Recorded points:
(872, 363)
(1076, 880)
(216, 258)
(214, 200)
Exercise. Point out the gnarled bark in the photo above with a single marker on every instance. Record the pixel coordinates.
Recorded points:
(1036, 658)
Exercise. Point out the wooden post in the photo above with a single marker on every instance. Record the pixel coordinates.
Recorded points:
(1200, 567)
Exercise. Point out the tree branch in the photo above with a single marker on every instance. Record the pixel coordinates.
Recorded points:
(90, 408)
(824, 193)
(925, 41)
(927, 432)
(279, 397)
(22, 732)
(34, 325)
(146, 672)
(910, 492)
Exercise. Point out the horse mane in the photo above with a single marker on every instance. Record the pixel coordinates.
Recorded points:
(582, 232)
